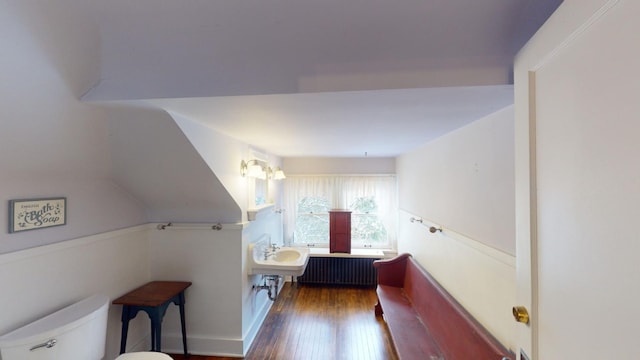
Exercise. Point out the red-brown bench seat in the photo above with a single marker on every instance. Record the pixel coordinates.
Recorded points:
(400, 315)
(426, 322)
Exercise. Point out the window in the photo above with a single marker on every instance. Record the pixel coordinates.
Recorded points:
(371, 199)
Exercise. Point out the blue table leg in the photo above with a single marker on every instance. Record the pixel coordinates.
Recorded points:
(156, 328)
(182, 324)
(153, 334)
(127, 314)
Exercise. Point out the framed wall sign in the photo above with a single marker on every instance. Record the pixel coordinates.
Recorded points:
(31, 214)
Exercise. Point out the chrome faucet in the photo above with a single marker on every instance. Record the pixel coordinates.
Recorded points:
(270, 250)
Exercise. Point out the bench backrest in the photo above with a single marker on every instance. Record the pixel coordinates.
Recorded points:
(457, 333)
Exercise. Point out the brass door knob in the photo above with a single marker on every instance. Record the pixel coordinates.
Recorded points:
(521, 314)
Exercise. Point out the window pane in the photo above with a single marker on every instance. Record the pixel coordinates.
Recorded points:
(313, 205)
(368, 229)
(364, 205)
(312, 229)
(312, 222)
(366, 226)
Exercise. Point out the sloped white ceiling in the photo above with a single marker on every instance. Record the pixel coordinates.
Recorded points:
(154, 161)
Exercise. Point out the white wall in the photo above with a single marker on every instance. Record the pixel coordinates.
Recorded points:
(224, 154)
(36, 282)
(223, 312)
(212, 261)
(463, 182)
(256, 304)
(325, 166)
(52, 144)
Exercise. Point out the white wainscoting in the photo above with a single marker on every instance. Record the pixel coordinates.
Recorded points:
(480, 277)
(38, 281)
(223, 311)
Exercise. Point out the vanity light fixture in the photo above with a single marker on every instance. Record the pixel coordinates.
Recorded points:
(260, 170)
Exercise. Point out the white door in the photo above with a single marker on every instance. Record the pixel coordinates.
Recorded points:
(578, 182)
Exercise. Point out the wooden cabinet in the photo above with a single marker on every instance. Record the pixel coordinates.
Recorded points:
(339, 231)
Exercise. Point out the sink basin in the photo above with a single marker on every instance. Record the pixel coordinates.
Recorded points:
(286, 261)
(286, 255)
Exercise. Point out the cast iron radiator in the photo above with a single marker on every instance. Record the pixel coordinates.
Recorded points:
(340, 271)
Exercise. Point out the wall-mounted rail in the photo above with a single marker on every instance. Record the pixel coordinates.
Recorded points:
(172, 226)
(432, 228)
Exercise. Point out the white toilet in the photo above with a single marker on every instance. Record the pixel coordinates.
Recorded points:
(77, 332)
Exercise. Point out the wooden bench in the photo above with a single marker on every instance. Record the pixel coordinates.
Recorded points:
(426, 322)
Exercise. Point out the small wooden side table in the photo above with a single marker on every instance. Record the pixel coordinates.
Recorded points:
(153, 298)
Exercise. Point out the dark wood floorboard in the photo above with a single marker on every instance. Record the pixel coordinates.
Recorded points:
(309, 323)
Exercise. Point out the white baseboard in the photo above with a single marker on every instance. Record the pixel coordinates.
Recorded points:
(210, 346)
(200, 345)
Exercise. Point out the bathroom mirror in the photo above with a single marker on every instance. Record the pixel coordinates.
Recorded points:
(261, 191)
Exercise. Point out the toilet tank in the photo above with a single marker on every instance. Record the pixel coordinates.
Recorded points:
(77, 332)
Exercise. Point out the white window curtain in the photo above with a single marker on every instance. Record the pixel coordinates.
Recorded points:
(341, 191)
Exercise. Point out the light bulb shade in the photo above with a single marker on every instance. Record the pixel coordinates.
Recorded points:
(256, 171)
(279, 174)
(253, 168)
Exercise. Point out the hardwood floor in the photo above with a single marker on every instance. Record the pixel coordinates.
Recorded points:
(308, 322)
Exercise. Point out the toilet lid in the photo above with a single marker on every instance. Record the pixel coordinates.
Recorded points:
(145, 355)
